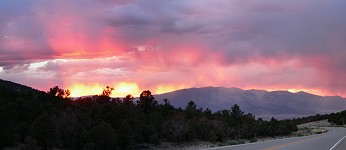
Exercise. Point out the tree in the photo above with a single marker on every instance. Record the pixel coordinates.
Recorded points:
(98, 123)
(147, 101)
(236, 116)
(107, 113)
(167, 110)
(125, 138)
(105, 96)
(128, 100)
(150, 133)
(175, 129)
(7, 130)
(190, 110)
(30, 143)
(44, 131)
(70, 131)
(191, 106)
(104, 137)
(208, 113)
(236, 113)
(58, 92)
(248, 129)
(107, 91)
(205, 129)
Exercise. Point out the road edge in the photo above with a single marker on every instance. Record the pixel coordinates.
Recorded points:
(218, 147)
(337, 143)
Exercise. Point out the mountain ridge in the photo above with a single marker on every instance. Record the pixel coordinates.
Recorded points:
(262, 103)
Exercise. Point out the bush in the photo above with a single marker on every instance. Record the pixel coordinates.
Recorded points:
(241, 141)
(221, 144)
(233, 142)
(104, 136)
(44, 131)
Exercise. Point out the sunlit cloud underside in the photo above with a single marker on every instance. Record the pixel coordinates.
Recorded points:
(163, 46)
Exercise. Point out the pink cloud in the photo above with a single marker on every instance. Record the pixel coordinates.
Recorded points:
(264, 44)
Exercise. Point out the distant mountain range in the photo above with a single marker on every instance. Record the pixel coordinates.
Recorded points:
(264, 104)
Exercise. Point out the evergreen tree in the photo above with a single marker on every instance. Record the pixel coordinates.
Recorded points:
(44, 131)
(125, 138)
(236, 116)
(104, 137)
(147, 101)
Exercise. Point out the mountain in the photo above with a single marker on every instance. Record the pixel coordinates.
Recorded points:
(264, 104)
(10, 91)
(8, 85)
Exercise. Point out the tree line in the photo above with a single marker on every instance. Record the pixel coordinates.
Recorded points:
(53, 120)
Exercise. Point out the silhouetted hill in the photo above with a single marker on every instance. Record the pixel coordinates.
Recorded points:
(279, 104)
(10, 90)
(8, 85)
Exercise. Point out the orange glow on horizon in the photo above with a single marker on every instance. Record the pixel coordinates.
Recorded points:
(121, 89)
(124, 88)
(78, 90)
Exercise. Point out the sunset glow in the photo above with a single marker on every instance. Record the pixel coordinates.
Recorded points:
(85, 90)
(123, 88)
(133, 46)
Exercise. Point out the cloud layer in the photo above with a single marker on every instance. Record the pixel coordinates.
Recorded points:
(165, 45)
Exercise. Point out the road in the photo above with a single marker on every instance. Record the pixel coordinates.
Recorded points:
(333, 140)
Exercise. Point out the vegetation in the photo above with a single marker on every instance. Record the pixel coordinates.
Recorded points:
(338, 118)
(51, 119)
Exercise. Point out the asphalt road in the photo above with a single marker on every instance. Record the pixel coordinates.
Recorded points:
(332, 140)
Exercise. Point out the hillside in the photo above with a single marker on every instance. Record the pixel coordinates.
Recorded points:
(32, 119)
(15, 87)
(279, 104)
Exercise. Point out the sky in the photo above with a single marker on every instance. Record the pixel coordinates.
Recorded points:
(164, 45)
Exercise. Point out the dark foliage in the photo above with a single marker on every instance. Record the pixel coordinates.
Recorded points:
(47, 120)
(338, 118)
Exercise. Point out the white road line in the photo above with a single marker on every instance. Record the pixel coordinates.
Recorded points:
(219, 147)
(337, 143)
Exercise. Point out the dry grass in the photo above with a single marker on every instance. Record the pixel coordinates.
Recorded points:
(315, 127)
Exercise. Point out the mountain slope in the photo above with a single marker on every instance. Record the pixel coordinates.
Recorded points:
(279, 104)
(8, 85)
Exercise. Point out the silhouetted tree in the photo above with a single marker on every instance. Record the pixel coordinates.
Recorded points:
(105, 96)
(208, 113)
(104, 137)
(98, 123)
(205, 130)
(30, 143)
(175, 129)
(147, 101)
(43, 129)
(125, 138)
(70, 130)
(190, 109)
(58, 92)
(128, 100)
(107, 91)
(7, 130)
(236, 116)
